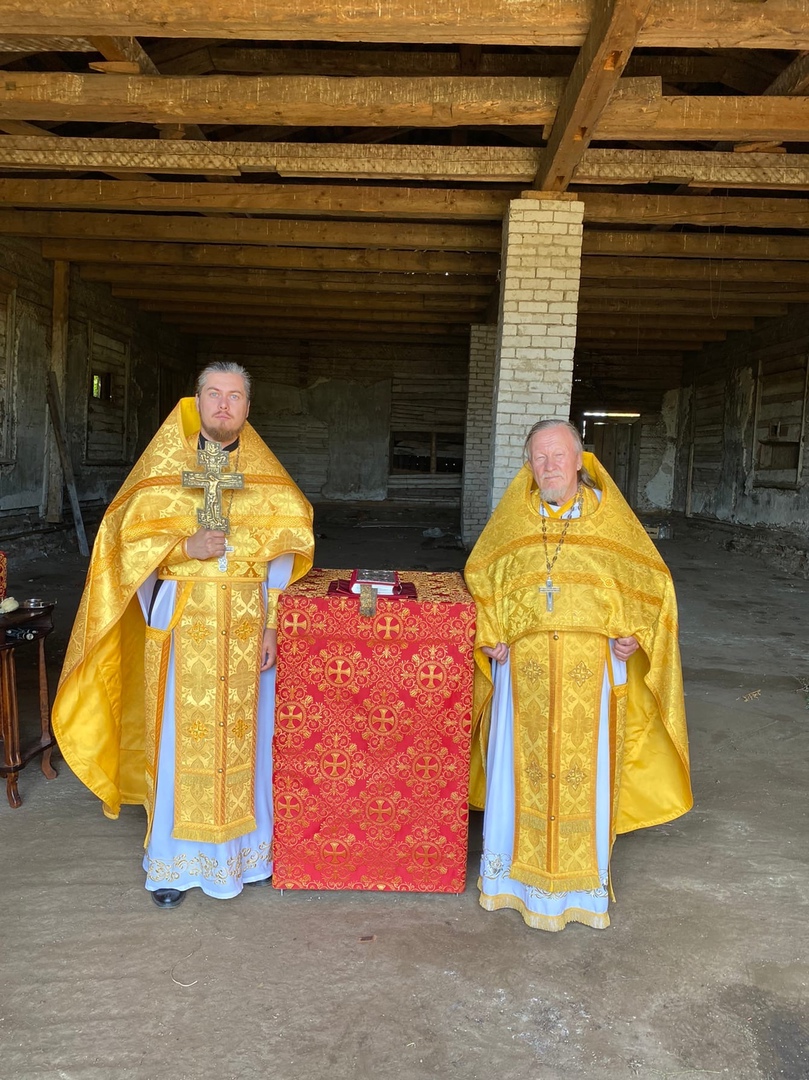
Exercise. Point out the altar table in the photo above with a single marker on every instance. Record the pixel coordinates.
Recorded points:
(372, 737)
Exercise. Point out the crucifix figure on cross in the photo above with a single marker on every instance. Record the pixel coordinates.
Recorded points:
(547, 590)
(213, 481)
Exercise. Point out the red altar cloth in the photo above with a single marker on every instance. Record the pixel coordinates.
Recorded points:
(372, 735)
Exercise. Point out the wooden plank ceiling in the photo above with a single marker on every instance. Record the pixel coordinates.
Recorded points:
(329, 170)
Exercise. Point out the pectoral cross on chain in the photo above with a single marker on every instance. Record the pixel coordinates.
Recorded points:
(213, 481)
(547, 590)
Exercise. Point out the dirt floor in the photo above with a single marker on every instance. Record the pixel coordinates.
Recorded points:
(704, 972)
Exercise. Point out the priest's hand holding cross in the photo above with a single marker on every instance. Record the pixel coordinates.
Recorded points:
(206, 544)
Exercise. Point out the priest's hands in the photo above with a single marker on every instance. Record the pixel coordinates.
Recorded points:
(498, 653)
(623, 647)
(269, 649)
(205, 544)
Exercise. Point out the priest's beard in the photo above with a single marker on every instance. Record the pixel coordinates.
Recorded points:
(224, 434)
(555, 495)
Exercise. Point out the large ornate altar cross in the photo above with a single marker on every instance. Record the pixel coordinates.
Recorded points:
(213, 481)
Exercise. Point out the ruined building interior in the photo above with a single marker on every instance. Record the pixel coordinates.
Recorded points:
(421, 226)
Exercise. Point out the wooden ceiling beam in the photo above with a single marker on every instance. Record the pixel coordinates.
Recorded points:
(598, 68)
(324, 101)
(305, 314)
(721, 307)
(303, 326)
(717, 272)
(27, 45)
(287, 299)
(253, 231)
(779, 24)
(389, 236)
(399, 203)
(459, 164)
(237, 60)
(689, 168)
(695, 245)
(221, 338)
(127, 49)
(281, 258)
(641, 324)
(298, 200)
(635, 112)
(234, 278)
(704, 291)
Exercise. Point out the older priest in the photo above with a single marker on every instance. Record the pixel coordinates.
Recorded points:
(166, 696)
(578, 697)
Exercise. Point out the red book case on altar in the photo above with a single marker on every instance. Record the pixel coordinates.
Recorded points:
(372, 735)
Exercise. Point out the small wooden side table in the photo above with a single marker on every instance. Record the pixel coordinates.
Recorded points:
(26, 624)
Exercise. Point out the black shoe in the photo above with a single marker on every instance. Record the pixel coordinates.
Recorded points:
(168, 898)
(261, 881)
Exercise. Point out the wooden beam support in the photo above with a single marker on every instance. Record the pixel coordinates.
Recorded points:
(55, 474)
(297, 200)
(224, 278)
(465, 164)
(713, 271)
(253, 231)
(635, 112)
(27, 45)
(272, 302)
(779, 24)
(393, 203)
(598, 67)
(695, 245)
(127, 50)
(204, 324)
(305, 315)
(283, 258)
(323, 101)
(688, 168)
(368, 236)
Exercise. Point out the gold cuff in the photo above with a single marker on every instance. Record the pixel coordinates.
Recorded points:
(272, 608)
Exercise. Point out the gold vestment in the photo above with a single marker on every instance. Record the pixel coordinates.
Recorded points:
(612, 583)
(109, 704)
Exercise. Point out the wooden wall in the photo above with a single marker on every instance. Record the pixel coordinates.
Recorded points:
(103, 334)
(424, 386)
(743, 427)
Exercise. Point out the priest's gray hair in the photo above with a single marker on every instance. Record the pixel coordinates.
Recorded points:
(223, 367)
(545, 425)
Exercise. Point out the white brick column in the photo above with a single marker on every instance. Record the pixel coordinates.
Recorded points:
(539, 292)
(478, 434)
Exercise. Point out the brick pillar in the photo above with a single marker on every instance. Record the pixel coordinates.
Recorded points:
(539, 293)
(478, 435)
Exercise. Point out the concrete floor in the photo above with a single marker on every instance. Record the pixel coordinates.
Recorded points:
(704, 972)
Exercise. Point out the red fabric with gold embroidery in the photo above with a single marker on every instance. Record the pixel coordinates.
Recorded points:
(372, 736)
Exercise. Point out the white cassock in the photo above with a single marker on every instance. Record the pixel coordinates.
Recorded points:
(539, 908)
(220, 870)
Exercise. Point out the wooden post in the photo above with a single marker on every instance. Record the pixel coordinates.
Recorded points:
(61, 306)
(58, 429)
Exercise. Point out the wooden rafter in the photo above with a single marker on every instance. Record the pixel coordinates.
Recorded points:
(309, 100)
(458, 164)
(779, 24)
(275, 258)
(372, 235)
(596, 72)
(248, 280)
(394, 203)
(419, 236)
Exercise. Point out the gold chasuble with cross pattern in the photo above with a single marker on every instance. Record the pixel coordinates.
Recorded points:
(611, 583)
(109, 705)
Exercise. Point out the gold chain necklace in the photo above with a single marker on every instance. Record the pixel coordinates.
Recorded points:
(548, 589)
